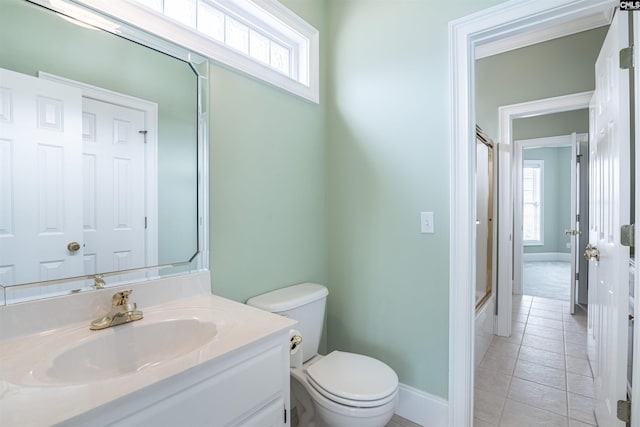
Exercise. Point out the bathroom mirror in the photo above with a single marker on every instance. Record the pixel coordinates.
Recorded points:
(101, 149)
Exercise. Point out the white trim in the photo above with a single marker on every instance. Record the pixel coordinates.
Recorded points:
(547, 256)
(150, 110)
(635, 403)
(519, 145)
(507, 114)
(501, 21)
(154, 23)
(421, 408)
(540, 35)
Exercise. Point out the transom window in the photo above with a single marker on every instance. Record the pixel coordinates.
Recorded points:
(259, 37)
(532, 200)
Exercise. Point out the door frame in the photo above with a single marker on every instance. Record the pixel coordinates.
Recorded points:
(506, 180)
(498, 22)
(151, 151)
(518, 157)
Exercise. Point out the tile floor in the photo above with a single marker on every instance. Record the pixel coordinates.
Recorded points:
(540, 375)
(398, 421)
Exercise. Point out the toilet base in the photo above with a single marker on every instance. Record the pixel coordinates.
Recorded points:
(318, 411)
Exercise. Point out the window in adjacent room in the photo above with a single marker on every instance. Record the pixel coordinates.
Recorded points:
(532, 199)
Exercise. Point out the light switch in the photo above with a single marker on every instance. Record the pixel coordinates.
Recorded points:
(426, 222)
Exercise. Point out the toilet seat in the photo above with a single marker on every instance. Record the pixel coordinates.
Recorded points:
(353, 379)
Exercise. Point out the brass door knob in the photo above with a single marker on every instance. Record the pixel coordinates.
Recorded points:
(73, 246)
(592, 252)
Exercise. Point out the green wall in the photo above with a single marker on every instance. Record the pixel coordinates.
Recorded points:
(547, 125)
(387, 160)
(267, 180)
(553, 68)
(557, 197)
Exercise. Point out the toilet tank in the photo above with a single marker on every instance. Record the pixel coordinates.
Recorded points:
(305, 303)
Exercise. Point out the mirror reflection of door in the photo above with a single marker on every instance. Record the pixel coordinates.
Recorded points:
(40, 214)
(53, 224)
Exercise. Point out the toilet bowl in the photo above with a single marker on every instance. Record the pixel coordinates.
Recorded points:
(346, 390)
(340, 389)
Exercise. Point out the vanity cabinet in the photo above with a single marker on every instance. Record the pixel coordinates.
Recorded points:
(248, 388)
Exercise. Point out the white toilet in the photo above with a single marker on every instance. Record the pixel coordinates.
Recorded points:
(337, 390)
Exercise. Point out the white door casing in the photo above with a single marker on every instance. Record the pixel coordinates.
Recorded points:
(610, 198)
(40, 215)
(465, 34)
(519, 146)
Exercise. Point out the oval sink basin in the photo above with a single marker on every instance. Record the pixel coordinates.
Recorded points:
(126, 349)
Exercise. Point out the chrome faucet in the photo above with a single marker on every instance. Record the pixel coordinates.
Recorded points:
(122, 311)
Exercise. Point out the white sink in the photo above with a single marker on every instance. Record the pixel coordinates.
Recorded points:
(125, 349)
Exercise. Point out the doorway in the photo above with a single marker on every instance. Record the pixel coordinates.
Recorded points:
(465, 34)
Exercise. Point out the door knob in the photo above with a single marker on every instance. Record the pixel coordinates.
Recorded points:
(73, 246)
(592, 252)
(572, 232)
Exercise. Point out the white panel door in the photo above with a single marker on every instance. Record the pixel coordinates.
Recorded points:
(610, 195)
(114, 184)
(40, 179)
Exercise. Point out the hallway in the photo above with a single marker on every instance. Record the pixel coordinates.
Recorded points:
(540, 375)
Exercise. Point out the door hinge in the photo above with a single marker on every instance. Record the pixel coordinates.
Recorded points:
(144, 133)
(624, 411)
(285, 415)
(627, 235)
(145, 222)
(626, 58)
(578, 156)
(578, 218)
(577, 276)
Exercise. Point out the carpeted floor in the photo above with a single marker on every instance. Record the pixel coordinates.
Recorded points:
(548, 279)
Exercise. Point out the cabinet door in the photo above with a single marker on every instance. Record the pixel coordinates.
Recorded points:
(271, 415)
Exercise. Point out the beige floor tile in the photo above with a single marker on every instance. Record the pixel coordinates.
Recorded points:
(503, 365)
(542, 357)
(543, 321)
(549, 314)
(579, 384)
(578, 366)
(500, 348)
(488, 406)
(490, 380)
(576, 423)
(576, 350)
(575, 337)
(542, 331)
(540, 374)
(539, 396)
(556, 346)
(581, 408)
(480, 423)
(517, 414)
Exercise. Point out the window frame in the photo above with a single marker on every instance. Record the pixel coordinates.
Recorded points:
(534, 164)
(260, 13)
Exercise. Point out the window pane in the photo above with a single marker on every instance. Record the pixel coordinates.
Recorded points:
(210, 21)
(280, 58)
(237, 35)
(181, 10)
(259, 46)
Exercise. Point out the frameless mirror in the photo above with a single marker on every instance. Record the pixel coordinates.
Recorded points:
(98, 150)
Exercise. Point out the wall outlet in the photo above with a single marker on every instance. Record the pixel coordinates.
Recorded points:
(426, 222)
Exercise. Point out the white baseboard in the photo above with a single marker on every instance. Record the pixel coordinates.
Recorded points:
(547, 256)
(421, 407)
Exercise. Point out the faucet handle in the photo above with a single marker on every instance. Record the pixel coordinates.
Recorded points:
(121, 298)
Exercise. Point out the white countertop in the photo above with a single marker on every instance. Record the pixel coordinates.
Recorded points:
(28, 397)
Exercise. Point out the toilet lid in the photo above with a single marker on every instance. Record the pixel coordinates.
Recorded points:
(353, 377)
